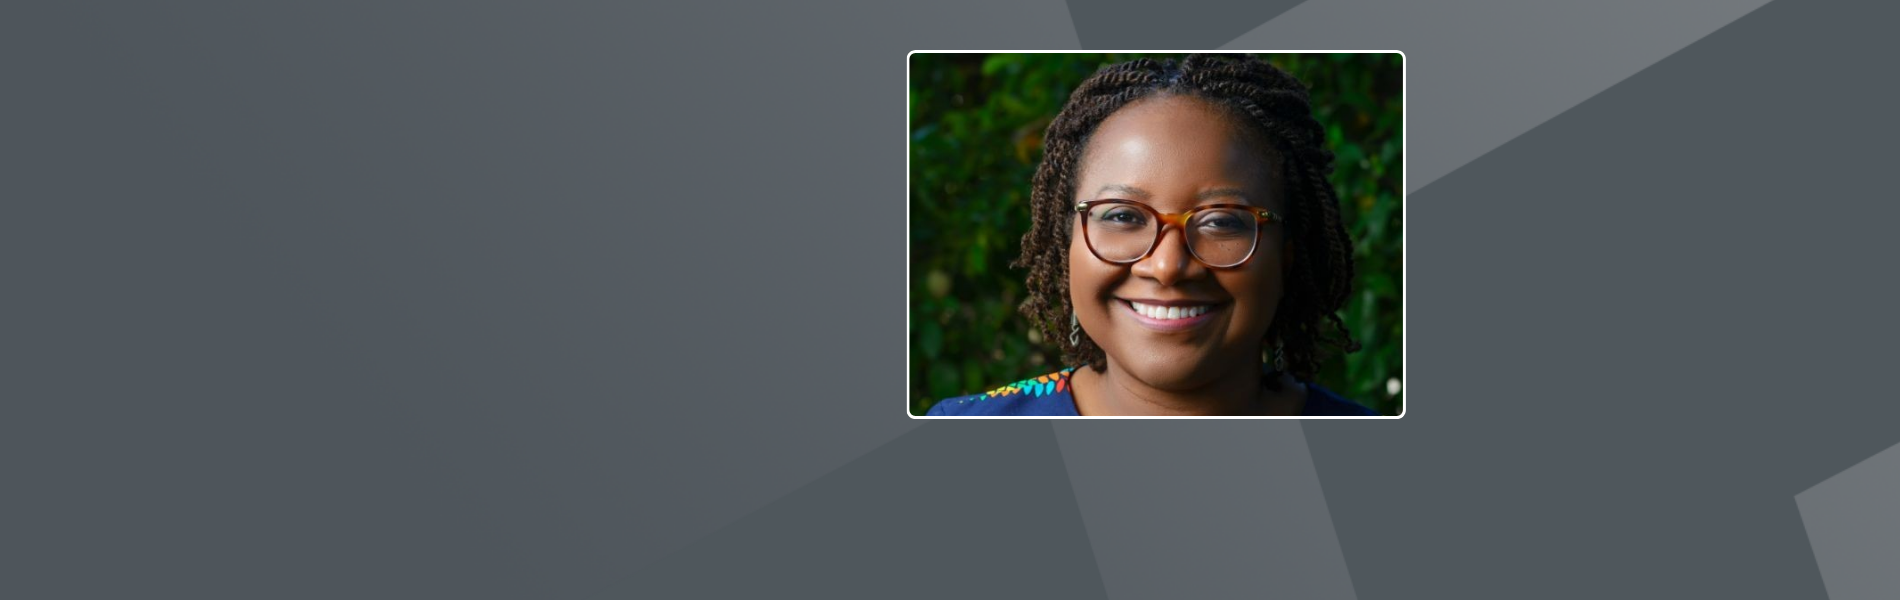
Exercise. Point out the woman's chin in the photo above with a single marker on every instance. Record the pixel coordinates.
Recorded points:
(1172, 372)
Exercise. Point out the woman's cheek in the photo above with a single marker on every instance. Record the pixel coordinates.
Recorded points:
(1258, 293)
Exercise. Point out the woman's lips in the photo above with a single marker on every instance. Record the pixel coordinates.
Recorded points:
(1182, 323)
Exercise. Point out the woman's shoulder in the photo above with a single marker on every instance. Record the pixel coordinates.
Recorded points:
(1322, 402)
(1045, 395)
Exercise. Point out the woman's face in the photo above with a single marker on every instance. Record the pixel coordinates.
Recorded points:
(1174, 153)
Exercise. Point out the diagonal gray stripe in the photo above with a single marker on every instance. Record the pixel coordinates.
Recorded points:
(1204, 509)
(820, 99)
(1181, 25)
(1481, 72)
(963, 509)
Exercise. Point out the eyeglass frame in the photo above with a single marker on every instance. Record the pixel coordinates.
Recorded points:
(1179, 220)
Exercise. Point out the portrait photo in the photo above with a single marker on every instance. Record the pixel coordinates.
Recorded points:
(1156, 234)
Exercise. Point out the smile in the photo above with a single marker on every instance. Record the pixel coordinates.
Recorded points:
(1171, 317)
(1169, 313)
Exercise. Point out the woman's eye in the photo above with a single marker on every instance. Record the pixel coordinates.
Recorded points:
(1221, 222)
(1121, 215)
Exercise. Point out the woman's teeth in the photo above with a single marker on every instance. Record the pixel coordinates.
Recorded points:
(1167, 313)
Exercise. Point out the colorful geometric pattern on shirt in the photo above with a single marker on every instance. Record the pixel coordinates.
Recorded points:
(1035, 388)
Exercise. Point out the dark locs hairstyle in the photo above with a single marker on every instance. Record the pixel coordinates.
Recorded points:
(1306, 327)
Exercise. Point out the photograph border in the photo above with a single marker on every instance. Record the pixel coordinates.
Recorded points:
(1405, 221)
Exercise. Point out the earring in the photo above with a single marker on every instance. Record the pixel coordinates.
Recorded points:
(1075, 331)
(1279, 358)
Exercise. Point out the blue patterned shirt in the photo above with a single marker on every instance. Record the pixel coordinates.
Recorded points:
(1049, 396)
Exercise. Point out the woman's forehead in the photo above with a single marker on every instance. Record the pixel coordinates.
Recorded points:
(1174, 148)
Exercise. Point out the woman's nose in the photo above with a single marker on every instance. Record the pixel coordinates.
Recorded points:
(1171, 262)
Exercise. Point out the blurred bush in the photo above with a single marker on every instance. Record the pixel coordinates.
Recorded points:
(976, 136)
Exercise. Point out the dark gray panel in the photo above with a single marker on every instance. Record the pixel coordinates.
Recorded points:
(445, 299)
(949, 510)
(1639, 329)
(396, 300)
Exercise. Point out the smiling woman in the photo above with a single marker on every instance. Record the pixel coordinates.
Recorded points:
(1186, 250)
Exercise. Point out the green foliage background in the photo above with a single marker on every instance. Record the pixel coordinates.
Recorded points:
(976, 136)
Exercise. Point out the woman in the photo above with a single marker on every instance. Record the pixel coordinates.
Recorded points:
(1186, 248)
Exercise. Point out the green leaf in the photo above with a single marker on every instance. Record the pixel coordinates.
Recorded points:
(1381, 285)
(998, 63)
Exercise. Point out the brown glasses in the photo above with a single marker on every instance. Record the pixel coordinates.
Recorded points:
(1221, 236)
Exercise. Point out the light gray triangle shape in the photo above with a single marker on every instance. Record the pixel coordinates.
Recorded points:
(1851, 527)
(1481, 72)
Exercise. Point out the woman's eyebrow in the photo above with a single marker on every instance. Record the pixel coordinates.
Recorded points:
(1128, 190)
(1234, 193)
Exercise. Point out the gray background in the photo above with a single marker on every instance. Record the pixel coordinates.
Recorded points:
(416, 300)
